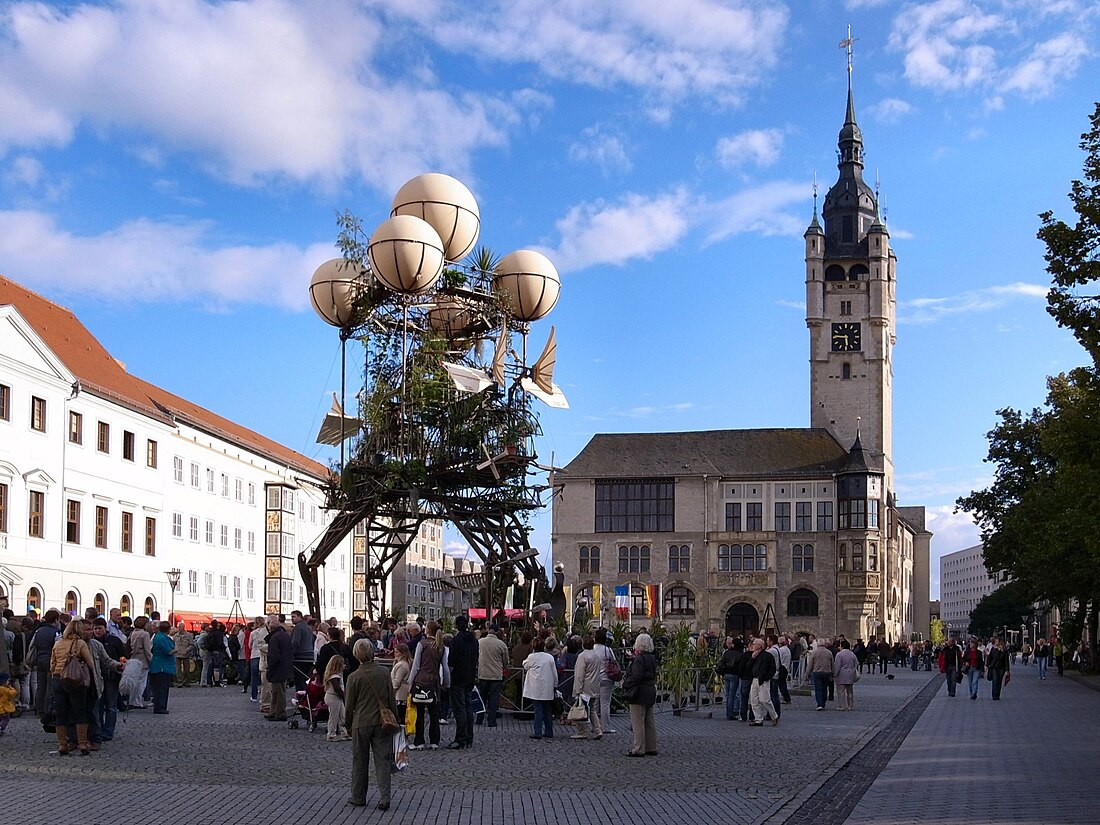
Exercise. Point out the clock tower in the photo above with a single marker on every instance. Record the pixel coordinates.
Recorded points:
(850, 308)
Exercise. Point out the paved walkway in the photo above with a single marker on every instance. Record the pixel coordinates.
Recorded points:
(213, 759)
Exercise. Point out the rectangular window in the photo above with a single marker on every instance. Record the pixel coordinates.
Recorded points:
(150, 536)
(103, 437)
(72, 521)
(252, 494)
(783, 516)
(76, 428)
(209, 531)
(872, 557)
(847, 229)
(250, 589)
(236, 587)
(803, 516)
(193, 528)
(5, 402)
(872, 514)
(238, 490)
(35, 521)
(177, 525)
(237, 542)
(3, 508)
(150, 453)
(643, 506)
(38, 414)
(222, 587)
(225, 535)
(852, 514)
(177, 469)
(733, 517)
(127, 445)
(845, 307)
(225, 486)
(126, 541)
(208, 583)
(754, 516)
(824, 515)
(209, 480)
(193, 582)
(101, 527)
(194, 475)
(252, 544)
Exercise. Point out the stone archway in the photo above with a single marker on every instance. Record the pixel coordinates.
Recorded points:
(742, 619)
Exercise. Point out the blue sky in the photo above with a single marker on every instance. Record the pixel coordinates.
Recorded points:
(171, 170)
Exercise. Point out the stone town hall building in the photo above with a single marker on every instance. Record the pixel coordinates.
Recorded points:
(795, 529)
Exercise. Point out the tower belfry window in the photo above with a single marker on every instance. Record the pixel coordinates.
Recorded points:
(845, 371)
(847, 230)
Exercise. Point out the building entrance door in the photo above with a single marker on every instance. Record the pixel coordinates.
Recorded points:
(742, 620)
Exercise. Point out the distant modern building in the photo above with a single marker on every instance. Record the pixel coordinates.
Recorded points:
(107, 482)
(740, 530)
(964, 581)
(409, 590)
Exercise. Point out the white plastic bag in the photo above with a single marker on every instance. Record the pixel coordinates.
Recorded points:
(400, 750)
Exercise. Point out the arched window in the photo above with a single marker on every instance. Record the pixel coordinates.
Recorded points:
(802, 603)
(100, 604)
(845, 371)
(857, 557)
(834, 273)
(634, 558)
(679, 558)
(125, 604)
(72, 603)
(150, 605)
(679, 601)
(858, 272)
(589, 559)
(723, 557)
(34, 599)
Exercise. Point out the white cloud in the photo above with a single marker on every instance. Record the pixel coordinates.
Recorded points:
(1049, 64)
(672, 50)
(606, 151)
(761, 209)
(147, 260)
(636, 227)
(951, 532)
(760, 147)
(24, 171)
(931, 310)
(257, 88)
(937, 39)
(890, 110)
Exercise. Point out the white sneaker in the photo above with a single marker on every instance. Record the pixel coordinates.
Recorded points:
(433, 747)
(416, 747)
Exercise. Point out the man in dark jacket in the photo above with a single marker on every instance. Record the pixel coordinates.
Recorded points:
(42, 643)
(280, 668)
(951, 664)
(728, 669)
(763, 669)
(301, 642)
(463, 661)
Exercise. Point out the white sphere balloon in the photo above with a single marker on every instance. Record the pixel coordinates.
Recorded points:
(333, 290)
(447, 205)
(530, 283)
(406, 254)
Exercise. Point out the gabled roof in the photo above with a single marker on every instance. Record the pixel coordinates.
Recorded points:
(771, 453)
(99, 373)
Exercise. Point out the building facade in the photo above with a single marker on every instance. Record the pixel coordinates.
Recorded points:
(796, 529)
(108, 482)
(964, 581)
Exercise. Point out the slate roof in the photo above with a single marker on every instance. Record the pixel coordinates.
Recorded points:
(102, 375)
(763, 453)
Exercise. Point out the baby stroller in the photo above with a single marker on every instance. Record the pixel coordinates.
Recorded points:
(311, 704)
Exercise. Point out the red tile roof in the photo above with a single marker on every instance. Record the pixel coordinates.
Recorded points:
(102, 375)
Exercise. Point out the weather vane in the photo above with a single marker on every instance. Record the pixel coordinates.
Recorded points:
(846, 43)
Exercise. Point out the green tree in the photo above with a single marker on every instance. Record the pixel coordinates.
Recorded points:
(1040, 519)
(935, 632)
(1006, 607)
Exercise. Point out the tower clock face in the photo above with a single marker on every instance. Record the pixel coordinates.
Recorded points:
(846, 338)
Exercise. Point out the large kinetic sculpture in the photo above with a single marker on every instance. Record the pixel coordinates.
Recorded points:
(445, 427)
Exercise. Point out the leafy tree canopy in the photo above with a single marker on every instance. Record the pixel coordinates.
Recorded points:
(1009, 606)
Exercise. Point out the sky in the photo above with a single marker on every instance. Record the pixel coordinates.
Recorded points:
(171, 170)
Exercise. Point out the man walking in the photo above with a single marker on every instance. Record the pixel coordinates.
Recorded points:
(729, 668)
(951, 664)
(463, 661)
(491, 662)
(763, 669)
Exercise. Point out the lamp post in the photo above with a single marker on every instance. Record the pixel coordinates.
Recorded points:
(173, 582)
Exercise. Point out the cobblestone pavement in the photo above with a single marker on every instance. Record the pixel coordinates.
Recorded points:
(1029, 758)
(214, 759)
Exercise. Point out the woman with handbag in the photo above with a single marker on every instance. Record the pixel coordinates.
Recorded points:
(640, 693)
(430, 674)
(71, 666)
(370, 714)
(586, 692)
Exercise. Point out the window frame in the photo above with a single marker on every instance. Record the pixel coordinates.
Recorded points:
(38, 414)
(802, 558)
(679, 558)
(72, 521)
(754, 516)
(634, 558)
(36, 514)
(782, 516)
(5, 402)
(76, 427)
(129, 446)
(126, 532)
(150, 536)
(103, 437)
(645, 505)
(588, 559)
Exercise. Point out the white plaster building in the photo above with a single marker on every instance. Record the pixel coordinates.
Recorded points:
(107, 482)
(964, 582)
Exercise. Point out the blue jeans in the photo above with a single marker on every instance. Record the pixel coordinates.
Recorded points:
(775, 696)
(975, 679)
(732, 694)
(951, 684)
(544, 717)
(108, 709)
(254, 676)
(490, 692)
(744, 690)
(821, 688)
(1042, 662)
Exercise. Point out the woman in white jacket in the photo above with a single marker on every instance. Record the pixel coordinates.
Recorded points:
(540, 680)
(587, 674)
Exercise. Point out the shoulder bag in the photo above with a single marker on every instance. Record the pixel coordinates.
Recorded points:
(390, 725)
(613, 671)
(75, 675)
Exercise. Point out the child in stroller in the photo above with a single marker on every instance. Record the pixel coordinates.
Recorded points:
(311, 703)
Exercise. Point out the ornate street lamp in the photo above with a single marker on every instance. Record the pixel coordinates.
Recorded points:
(173, 582)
